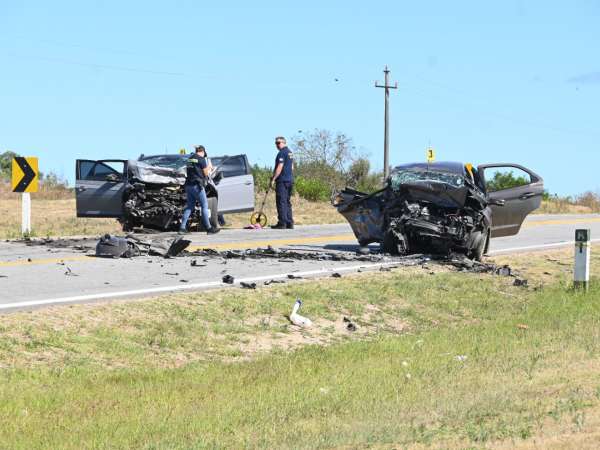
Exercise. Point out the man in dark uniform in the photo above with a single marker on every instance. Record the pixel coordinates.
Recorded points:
(195, 182)
(283, 180)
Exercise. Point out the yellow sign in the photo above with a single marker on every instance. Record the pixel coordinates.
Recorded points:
(430, 155)
(25, 174)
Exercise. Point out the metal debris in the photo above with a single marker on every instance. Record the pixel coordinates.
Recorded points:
(520, 282)
(245, 285)
(131, 246)
(267, 283)
(228, 279)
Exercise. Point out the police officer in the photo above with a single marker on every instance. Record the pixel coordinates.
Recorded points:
(283, 181)
(195, 183)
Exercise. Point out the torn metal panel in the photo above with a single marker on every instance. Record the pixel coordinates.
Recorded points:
(147, 173)
(130, 246)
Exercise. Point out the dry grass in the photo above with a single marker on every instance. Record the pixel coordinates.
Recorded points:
(57, 217)
(561, 206)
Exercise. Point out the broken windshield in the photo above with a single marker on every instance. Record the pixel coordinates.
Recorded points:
(410, 176)
(169, 161)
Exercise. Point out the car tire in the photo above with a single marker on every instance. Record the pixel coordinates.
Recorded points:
(393, 245)
(213, 206)
(480, 242)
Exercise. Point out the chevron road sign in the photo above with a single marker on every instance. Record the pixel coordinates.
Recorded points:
(25, 180)
(25, 174)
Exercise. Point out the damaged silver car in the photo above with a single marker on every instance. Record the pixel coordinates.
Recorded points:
(149, 192)
(443, 207)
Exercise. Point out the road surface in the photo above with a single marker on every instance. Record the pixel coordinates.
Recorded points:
(34, 276)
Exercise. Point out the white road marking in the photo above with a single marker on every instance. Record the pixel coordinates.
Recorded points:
(534, 247)
(184, 287)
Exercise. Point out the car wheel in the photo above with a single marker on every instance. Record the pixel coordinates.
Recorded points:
(479, 245)
(394, 244)
(213, 206)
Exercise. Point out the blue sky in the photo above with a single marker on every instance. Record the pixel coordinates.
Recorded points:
(514, 81)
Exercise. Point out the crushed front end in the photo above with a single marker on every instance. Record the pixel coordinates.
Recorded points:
(421, 210)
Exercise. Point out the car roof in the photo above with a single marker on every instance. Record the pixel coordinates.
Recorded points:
(441, 166)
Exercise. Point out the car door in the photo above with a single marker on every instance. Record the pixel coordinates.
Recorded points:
(236, 188)
(99, 187)
(518, 188)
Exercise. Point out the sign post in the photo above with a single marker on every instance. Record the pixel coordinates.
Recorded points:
(582, 259)
(25, 180)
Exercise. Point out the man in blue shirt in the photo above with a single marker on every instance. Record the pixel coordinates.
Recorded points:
(283, 181)
(195, 182)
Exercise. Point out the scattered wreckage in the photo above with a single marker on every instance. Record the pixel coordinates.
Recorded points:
(130, 246)
(442, 207)
(149, 192)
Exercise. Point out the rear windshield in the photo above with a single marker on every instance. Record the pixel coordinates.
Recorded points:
(410, 176)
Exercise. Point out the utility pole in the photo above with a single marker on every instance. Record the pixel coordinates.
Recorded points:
(386, 131)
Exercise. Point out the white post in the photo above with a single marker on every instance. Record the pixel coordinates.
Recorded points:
(582, 259)
(26, 213)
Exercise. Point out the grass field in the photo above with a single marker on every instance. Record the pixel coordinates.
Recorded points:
(57, 217)
(440, 358)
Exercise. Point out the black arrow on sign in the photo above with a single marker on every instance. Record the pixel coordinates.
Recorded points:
(28, 174)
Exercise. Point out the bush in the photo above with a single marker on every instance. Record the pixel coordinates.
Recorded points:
(312, 189)
(262, 176)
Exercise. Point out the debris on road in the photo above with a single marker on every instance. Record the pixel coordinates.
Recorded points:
(228, 279)
(245, 285)
(291, 276)
(336, 275)
(267, 283)
(130, 246)
(70, 273)
(297, 319)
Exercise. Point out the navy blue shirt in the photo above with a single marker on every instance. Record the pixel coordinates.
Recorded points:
(194, 166)
(285, 157)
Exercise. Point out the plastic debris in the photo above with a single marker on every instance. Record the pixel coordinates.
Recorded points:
(296, 318)
(228, 279)
(245, 285)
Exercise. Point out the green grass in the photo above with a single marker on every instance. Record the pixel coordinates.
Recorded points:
(479, 362)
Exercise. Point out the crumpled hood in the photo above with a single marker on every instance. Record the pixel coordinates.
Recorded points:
(147, 173)
(438, 193)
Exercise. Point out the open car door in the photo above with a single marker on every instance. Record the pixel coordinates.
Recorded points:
(514, 191)
(99, 187)
(236, 187)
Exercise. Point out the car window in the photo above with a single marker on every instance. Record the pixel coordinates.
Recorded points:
(98, 171)
(232, 166)
(499, 178)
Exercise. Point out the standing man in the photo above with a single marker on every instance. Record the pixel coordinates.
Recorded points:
(283, 181)
(195, 182)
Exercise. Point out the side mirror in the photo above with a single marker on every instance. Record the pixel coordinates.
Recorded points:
(497, 202)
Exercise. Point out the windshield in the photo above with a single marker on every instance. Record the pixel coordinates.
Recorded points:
(410, 176)
(170, 161)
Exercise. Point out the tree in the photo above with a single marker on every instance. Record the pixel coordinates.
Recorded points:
(323, 156)
(6, 165)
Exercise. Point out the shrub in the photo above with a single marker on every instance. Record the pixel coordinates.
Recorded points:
(262, 176)
(312, 189)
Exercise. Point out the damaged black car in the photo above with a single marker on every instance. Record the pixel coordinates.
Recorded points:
(443, 207)
(149, 192)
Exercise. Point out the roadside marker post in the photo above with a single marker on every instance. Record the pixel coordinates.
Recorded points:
(25, 175)
(581, 272)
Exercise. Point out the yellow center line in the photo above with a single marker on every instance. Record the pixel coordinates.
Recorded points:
(44, 261)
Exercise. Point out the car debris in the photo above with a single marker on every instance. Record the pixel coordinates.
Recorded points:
(70, 273)
(268, 282)
(297, 319)
(291, 276)
(336, 275)
(350, 326)
(245, 285)
(438, 208)
(521, 282)
(130, 246)
(228, 279)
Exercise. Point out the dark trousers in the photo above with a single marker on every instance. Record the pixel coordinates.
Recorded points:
(283, 196)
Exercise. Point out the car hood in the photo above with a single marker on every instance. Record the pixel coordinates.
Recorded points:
(147, 173)
(438, 193)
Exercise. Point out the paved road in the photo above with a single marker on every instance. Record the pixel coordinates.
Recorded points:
(32, 276)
